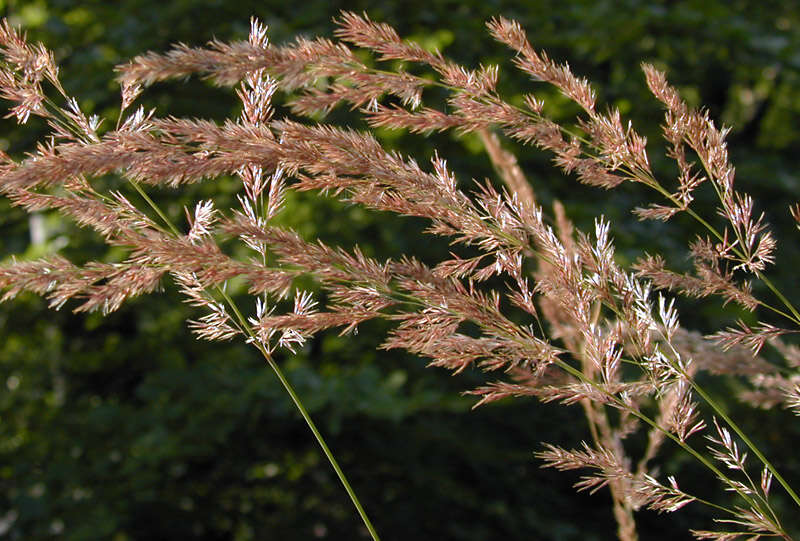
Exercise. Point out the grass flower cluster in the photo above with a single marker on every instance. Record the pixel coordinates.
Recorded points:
(546, 307)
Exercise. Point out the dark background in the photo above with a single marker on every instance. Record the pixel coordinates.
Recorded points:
(126, 428)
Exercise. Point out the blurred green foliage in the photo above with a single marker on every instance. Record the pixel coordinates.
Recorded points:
(126, 428)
